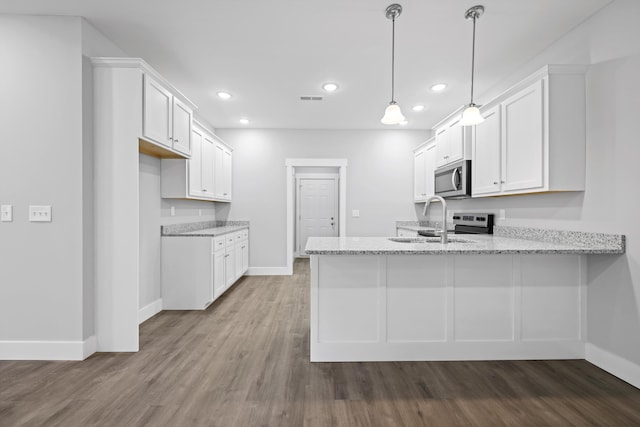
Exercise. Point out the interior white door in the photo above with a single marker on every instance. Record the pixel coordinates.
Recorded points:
(318, 209)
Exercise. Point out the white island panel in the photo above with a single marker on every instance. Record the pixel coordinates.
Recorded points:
(552, 297)
(348, 298)
(483, 298)
(416, 299)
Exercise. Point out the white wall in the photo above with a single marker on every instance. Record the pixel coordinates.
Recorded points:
(154, 212)
(41, 162)
(93, 43)
(610, 204)
(379, 180)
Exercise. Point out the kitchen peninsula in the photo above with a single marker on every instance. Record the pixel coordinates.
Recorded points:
(519, 294)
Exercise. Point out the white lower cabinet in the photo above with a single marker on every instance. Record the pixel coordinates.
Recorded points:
(196, 270)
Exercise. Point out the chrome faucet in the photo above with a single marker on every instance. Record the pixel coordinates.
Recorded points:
(443, 233)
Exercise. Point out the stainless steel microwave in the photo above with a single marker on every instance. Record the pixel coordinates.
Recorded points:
(454, 181)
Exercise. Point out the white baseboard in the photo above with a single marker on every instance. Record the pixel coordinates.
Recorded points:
(149, 310)
(47, 350)
(268, 271)
(614, 364)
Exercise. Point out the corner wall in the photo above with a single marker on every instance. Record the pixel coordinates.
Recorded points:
(41, 163)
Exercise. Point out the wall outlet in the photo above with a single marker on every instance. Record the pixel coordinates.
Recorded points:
(172, 211)
(199, 212)
(502, 214)
(355, 213)
(40, 213)
(6, 213)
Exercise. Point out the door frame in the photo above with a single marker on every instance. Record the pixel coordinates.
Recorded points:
(296, 217)
(290, 164)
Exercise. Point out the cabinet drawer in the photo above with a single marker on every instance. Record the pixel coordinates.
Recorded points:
(218, 243)
(230, 239)
(245, 234)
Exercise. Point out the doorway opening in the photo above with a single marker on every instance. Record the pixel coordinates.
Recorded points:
(317, 204)
(326, 181)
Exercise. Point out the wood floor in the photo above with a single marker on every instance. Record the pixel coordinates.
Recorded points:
(245, 362)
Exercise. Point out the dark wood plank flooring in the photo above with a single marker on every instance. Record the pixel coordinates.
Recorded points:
(245, 362)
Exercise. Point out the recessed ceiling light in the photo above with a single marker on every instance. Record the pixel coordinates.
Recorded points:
(403, 123)
(244, 121)
(439, 87)
(330, 87)
(417, 107)
(224, 95)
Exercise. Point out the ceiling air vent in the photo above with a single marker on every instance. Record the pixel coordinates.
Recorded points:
(310, 98)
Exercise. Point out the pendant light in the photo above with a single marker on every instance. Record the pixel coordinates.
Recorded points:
(471, 114)
(393, 115)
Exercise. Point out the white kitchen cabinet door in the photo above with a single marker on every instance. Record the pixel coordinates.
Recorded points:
(195, 164)
(419, 183)
(245, 256)
(223, 172)
(230, 261)
(158, 105)
(207, 166)
(450, 143)
(219, 278)
(442, 146)
(429, 169)
(523, 139)
(182, 116)
(238, 266)
(487, 154)
(424, 163)
(456, 141)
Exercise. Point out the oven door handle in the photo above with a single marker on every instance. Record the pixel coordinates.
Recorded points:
(455, 182)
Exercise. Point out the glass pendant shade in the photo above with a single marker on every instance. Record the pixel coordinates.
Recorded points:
(471, 116)
(392, 115)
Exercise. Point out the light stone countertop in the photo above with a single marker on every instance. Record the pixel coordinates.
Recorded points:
(203, 229)
(476, 244)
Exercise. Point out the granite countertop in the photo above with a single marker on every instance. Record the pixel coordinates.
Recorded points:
(472, 244)
(203, 229)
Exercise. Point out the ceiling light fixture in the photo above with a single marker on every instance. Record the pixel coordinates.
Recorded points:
(330, 87)
(244, 121)
(392, 114)
(439, 87)
(471, 115)
(417, 107)
(224, 95)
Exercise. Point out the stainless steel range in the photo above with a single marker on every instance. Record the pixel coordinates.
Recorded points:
(473, 223)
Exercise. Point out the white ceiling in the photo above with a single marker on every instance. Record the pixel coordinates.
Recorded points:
(268, 53)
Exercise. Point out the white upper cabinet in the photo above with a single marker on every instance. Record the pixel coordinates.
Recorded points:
(486, 172)
(207, 166)
(452, 142)
(223, 171)
(533, 138)
(197, 177)
(182, 119)
(167, 120)
(424, 165)
(523, 140)
(194, 164)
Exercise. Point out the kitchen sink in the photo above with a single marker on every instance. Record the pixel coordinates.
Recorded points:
(428, 240)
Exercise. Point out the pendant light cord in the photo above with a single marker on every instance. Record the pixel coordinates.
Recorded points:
(393, 57)
(473, 54)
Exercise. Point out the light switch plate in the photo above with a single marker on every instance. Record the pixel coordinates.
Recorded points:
(503, 214)
(40, 213)
(6, 213)
(355, 213)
